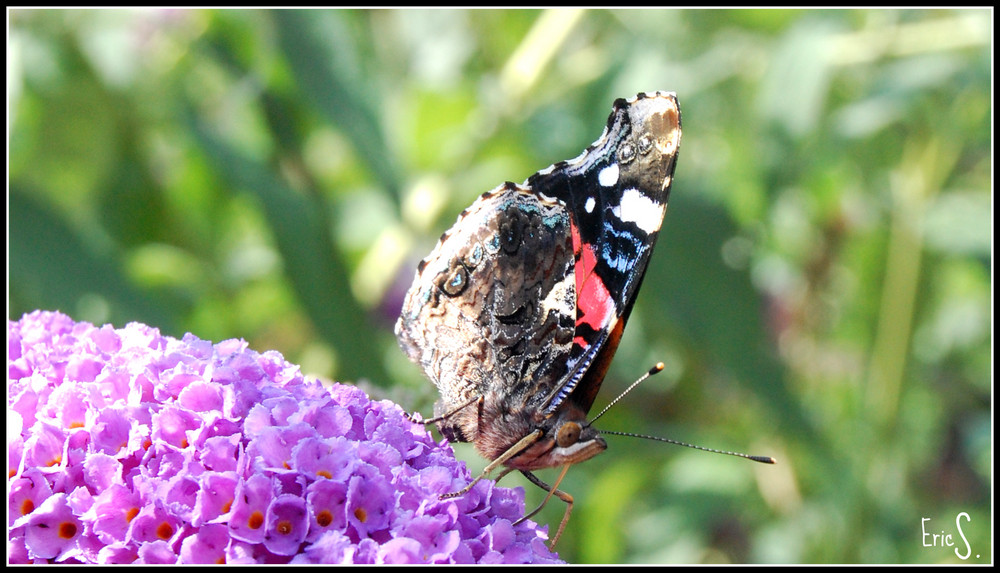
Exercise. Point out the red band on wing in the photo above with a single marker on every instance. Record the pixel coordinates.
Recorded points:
(593, 301)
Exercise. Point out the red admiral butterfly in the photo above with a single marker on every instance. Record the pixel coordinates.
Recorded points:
(517, 312)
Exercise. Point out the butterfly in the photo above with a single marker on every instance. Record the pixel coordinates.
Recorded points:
(518, 311)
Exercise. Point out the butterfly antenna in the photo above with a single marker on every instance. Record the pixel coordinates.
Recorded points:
(761, 459)
(655, 369)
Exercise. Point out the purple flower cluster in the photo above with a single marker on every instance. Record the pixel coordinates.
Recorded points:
(125, 446)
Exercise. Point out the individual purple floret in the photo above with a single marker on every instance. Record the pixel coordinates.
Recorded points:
(125, 446)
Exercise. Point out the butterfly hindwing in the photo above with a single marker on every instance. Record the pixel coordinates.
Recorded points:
(491, 312)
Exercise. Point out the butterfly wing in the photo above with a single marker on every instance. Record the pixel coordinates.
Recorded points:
(522, 303)
(616, 193)
(491, 311)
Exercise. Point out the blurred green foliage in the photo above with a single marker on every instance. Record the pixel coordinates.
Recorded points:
(822, 291)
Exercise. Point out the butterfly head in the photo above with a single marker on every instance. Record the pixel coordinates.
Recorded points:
(566, 438)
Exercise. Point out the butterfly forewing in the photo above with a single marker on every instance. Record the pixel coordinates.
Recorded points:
(616, 193)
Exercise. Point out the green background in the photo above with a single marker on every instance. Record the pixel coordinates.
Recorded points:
(821, 291)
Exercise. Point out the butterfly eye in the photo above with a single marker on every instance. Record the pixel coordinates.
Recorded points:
(568, 434)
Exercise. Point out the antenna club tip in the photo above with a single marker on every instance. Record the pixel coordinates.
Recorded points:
(764, 459)
(659, 367)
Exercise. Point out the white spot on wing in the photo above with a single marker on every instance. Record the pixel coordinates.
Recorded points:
(589, 205)
(636, 207)
(608, 176)
(561, 299)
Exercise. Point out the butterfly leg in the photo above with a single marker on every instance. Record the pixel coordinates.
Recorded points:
(553, 490)
(416, 418)
(503, 473)
(510, 453)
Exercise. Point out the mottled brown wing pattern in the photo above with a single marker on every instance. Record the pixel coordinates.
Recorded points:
(492, 310)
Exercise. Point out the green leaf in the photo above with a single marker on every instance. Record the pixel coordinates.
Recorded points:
(714, 305)
(315, 268)
(52, 267)
(324, 58)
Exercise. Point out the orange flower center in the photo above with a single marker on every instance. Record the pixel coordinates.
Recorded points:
(164, 531)
(67, 530)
